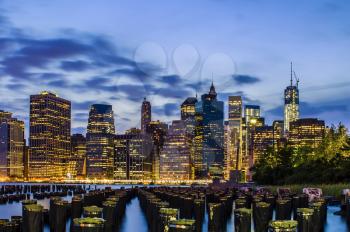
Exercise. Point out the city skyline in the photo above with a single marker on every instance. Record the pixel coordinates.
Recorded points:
(102, 61)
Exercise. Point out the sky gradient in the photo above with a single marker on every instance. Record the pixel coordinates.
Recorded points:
(119, 52)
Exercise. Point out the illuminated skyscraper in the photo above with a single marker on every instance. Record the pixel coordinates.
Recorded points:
(291, 103)
(146, 115)
(234, 134)
(210, 132)
(175, 156)
(262, 139)
(252, 120)
(306, 132)
(133, 150)
(100, 142)
(157, 131)
(78, 158)
(11, 146)
(188, 116)
(49, 136)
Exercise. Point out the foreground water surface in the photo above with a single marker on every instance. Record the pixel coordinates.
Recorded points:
(135, 220)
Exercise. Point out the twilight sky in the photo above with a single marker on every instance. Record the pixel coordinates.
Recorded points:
(118, 52)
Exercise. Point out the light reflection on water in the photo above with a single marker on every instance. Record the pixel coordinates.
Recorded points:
(135, 220)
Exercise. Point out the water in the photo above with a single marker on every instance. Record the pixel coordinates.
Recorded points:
(135, 220)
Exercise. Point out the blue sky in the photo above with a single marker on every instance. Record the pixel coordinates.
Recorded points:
(118, 52)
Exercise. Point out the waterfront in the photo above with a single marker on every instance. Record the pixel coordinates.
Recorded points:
(135, 220)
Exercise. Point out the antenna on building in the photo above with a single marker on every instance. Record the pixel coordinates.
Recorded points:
(296, 78)
(291, 73)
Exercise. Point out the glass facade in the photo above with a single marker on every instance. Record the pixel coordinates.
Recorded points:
(78, 158)
(146, 115)
(175, 156)
(49, 136)
(210, 132)
(100, 142)
(306, 132)
(12, 145)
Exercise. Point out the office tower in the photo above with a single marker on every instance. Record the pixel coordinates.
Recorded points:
(251, 113)
(291, 102)
(12, 145)
(175, 156)
(188, 116)
(157, 130)
(278, 131)
(262, 140)
(132, 150)
(252, 119)
(306, 132)
(49, 136)
(210, 133)
(146, 115)
(100, 142)
(234, 133)
(78, 158)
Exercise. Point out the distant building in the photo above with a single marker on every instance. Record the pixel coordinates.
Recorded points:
(132, 152)
(234, 135)
(175, 156)
(157, 131)
(306, 132)
(209, 135)
(100, 142)
(188, 116)
(291, 103)
(262, 140)
(78, 158)
(278, 132)
(49, 135)
(12, 146)
(146, 115)
(252, 120)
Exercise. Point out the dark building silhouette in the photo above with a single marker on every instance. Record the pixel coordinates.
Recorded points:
(49, 136)
(100, 142)
(209, 137)
(78, 158)
(146, 115)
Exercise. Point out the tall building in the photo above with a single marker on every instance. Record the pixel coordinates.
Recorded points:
(210, 133)
(100, 142)
(306, 132)
(188, 116)
(133, 150)
(291, 103)
(252, 119)
(234, 134)
(146, 115)
(175, 156)
(278, 132)
(12, 146)
(262, 140)
(49, 136)
(78, 158)
(157, 130)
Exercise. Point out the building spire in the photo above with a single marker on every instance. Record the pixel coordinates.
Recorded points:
(291, 73)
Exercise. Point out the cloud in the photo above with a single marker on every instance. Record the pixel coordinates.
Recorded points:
(169, 109)
(171, 79)
(242, 79)
(78, 65)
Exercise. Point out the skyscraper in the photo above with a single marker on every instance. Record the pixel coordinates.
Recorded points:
(210, 132)
(157, 131)
(188, 116)
(175, 156)
(234, 133)
(146, 115)
(49, 136)
(11, 146)
(307, 132)
(133, 150)
(291, 102)
(78, 158)
(100, 142)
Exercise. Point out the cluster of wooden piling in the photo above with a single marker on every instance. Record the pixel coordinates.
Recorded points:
(98, 210)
